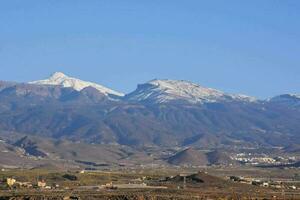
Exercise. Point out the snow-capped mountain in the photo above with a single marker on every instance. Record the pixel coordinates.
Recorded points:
(287, 99)
(158, 113)
(161, 91)
(59, 78)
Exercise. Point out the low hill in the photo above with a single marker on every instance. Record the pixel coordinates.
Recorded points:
(189, 156)
(195, 157)
(200, 179)
(218, 157)
(18, 150)
(294, 148)
(30, 147)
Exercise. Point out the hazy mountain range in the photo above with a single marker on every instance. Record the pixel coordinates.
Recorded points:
(158, 113)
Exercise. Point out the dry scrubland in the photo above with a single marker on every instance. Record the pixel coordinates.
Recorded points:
(199, 186)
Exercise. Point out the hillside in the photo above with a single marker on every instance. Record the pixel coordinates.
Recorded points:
(60, 79)
(40, 152)
(159, 113)
(194, 157)
(218, 157)
(189, 156)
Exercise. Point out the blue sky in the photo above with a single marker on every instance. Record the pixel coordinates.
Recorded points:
(249, 47)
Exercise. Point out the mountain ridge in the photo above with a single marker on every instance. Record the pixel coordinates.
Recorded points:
(156, 88)
(59, 78)
(88, 115)
(166, 90)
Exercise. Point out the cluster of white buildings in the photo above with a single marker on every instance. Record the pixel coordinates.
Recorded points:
(256, 159)
(261, 183)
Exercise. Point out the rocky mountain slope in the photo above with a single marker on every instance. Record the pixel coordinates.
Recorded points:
(159, 113)
(163, 91)
(59, 78)
(289, 100)
(189, 156)
(194, 157)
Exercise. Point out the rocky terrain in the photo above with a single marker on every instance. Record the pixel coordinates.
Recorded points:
(67, 118)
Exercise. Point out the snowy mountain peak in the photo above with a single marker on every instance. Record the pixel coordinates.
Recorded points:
(169, 90)
(295, 95)
(184, 89)
(59, 78)
(58, 75)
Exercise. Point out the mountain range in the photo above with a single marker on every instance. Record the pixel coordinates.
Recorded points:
(161, 113)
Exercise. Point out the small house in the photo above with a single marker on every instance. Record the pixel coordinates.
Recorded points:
(10, 181)
(41, 184)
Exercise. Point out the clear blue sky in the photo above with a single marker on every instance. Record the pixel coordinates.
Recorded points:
(250, 47)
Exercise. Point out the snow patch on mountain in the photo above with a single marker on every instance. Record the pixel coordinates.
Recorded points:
(59, 78)
(162, 91)
(295, 96)
(287, 99)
